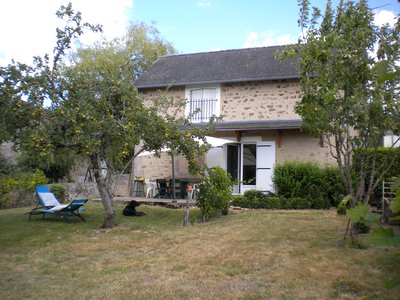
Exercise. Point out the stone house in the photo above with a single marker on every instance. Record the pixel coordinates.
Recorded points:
(255, 93)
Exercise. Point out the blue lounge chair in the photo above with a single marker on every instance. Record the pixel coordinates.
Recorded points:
(48, 204)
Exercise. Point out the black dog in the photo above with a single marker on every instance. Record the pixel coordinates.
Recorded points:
(130, 209)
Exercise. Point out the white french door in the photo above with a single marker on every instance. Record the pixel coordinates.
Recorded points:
(251, 164)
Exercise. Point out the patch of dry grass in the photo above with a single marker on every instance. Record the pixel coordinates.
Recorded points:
(246, 255)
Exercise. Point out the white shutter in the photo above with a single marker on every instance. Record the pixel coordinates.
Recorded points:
(265, 165)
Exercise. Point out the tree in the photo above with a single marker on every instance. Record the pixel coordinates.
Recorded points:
(94, 110)
(214, 192)
(347, 99)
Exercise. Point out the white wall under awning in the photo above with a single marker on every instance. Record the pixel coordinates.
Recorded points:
(391, 141)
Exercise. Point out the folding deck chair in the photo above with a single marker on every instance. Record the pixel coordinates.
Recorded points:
(48, 204)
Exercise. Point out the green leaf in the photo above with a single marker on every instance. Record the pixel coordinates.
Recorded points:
(370, 219)
(384, 237)
(395, 204)
(397, 218)
(357, 213)
(396, 185)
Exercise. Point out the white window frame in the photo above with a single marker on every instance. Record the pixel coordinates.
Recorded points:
(217, 88)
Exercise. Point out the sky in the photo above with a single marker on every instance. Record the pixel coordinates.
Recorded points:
(27, 27)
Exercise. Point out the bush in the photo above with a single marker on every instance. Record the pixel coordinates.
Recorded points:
(333, 185)
(307, 180)
(239, 200)
(320, 203)
(7, 200)
(214, 192)
(17, 189)
(59, 192)
(255, 199)
(384, 156)
(273, 202)
(297, 179)
(294, 203)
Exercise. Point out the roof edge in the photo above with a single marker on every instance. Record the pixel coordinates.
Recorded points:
(217, 81)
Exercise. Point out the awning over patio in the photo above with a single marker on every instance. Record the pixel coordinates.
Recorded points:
(257, 125)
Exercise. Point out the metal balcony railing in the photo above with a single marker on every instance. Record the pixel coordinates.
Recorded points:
(201, 110)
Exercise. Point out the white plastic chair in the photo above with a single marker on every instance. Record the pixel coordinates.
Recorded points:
(151, 188)
(195, 190)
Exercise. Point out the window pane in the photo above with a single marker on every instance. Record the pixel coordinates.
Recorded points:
(196, 94)
(204, 100)
(249, 164)
(233, 161)
(209, 93)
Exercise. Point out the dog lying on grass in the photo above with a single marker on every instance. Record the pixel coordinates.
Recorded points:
(130, 210)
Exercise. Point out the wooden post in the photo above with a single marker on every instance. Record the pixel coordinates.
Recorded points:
(238, 135)
(279, 138)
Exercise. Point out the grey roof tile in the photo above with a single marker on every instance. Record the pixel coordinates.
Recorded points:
(218, 67)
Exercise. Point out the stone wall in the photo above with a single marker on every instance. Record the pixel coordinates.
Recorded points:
(88, 190)
(174, 93)
(300, 146)
(260, 100)
(152, 167)
(7, 151)
(257, 100)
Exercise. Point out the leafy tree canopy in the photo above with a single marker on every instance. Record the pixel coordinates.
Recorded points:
(94, 111)
(350, 82)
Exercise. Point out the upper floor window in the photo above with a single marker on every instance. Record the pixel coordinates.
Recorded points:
(202, 103)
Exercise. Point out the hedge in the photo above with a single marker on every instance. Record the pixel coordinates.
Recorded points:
(256, 199)
(18, 189)
(384, 155)
(321, 186)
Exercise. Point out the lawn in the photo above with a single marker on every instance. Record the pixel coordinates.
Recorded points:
(245, 255)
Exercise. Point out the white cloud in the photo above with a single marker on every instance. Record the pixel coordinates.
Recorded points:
(267, 38)
(28, 28)
(203, 4)
(385, 17)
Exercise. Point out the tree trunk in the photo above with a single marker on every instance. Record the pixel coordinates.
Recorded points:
(354, 234)
(109, 213)
(187, 209)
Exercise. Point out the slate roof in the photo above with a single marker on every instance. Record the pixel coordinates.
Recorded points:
(252, 64)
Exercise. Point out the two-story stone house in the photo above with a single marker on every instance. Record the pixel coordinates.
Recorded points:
(255, 93)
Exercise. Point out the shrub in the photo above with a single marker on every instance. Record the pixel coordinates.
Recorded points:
(214, 192)
(273, 202)
(307, 180)
(294, 203)
(17, 189)
(320, 203)
(334, 189)
(239, 200)
(384, 156)
(297, 179)
(59, 192)
(7, 200)
(255, 199)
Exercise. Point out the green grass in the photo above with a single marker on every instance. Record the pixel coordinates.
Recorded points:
(245, 255)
